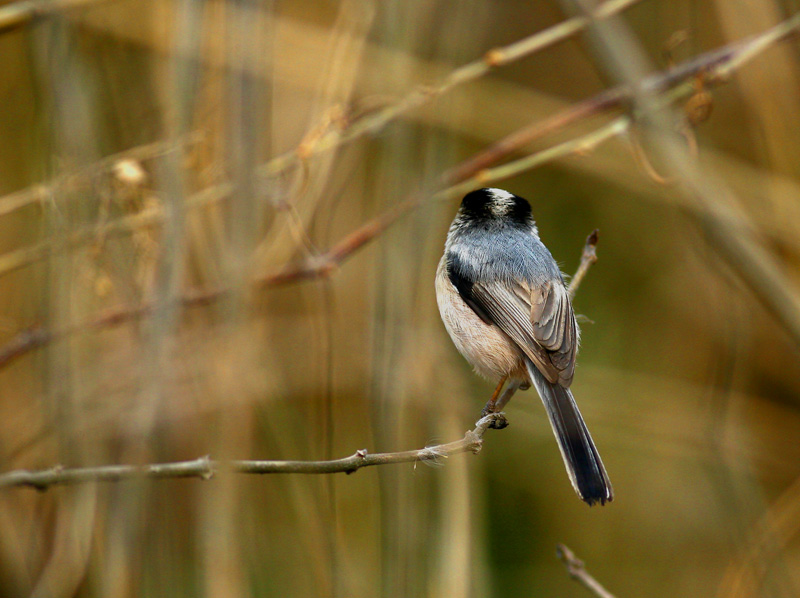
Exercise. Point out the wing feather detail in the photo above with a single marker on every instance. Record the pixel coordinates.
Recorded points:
(541, 321)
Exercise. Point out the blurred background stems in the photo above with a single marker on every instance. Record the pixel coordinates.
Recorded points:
(160, 156)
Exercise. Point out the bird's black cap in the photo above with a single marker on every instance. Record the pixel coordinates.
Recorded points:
(496, 204)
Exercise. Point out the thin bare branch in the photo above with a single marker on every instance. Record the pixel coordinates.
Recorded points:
(716, 66)
(578, 572)
(22, 12)
(458, 180)
(588, 258)
(709, 198)
(205, 468)
(425, 94)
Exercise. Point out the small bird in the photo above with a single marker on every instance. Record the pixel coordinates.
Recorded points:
(504, 303)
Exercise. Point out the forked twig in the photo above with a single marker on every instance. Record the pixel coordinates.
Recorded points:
(577, 571)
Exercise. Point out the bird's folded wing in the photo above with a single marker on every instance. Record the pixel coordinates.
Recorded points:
(539, 320)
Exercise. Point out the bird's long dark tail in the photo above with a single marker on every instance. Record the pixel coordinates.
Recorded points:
(585, 469)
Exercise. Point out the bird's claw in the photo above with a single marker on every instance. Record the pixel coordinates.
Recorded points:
(498, 422)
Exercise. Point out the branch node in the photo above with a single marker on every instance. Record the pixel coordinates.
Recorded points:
(483, 176)
(324, 266)
(494, 57)
(39, 486)
(575, 566)
(486, 422)
(577, 571)
(208, 468)
(360, 457)
(474, 441)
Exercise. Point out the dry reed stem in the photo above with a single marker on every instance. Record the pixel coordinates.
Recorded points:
(427, 93)
(716, 65)
(21, 13)
(739, 246)
(24, 12)
(770, 535)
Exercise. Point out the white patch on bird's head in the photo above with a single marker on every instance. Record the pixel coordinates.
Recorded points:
(502, 202)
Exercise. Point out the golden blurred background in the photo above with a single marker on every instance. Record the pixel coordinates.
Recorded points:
(173, 177)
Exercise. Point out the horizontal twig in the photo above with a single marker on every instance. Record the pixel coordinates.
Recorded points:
(205, 468)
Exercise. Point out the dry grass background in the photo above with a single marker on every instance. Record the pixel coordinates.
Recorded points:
(691, 387)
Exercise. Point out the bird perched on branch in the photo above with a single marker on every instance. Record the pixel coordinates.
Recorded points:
(505, 305)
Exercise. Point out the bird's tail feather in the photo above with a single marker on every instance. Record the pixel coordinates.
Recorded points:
(585, 469)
